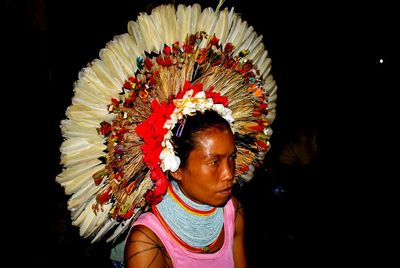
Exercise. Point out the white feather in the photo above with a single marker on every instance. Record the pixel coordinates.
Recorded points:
(87, 220)
(256, 53)
(79, 112)
(164, 17)
(70, 129)
(271, 105)
(81, 180)
(84, 194)
(267, 71)
(206, 22)
(150, 33)
(97, 222)
(90, 100)
(182, 17)
(264, 66)
(222, 26)
(109, 224)
(236, 31)
(87, 211)
(82, 105)
(92, 152)
(85, 89)
(89, 77)
(75, 145)
(122, 56)
(102, 72)
(196, 14)
(248, 31)
(272, 98)
(121, 228)
(255, 43)
(86, 111)
(130, 47)
(157, 18)
(137, 38)
(79, 209)
(271, 86)
(113, 65)
(247, 42)
(271, 116)
(261, 59)
(72, 172)
(96, 96)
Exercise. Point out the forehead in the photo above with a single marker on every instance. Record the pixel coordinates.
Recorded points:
(215, 141)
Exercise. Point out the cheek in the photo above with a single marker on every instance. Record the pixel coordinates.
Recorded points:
(206, 177)
(197, 176)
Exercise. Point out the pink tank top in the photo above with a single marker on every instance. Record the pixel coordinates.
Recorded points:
(181, 257)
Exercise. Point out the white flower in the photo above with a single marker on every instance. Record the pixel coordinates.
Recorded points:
(268, 131)
(224, 112)
(200, 95)
(249, 174)
(168, 136)
(169, 161)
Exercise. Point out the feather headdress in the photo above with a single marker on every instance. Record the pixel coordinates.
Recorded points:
(171, 63)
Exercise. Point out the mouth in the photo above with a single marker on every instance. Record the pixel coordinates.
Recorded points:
(226, 191)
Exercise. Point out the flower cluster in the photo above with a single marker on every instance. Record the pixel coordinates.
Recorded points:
(156, 131)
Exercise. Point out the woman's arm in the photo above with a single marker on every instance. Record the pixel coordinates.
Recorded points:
(144, 249)
(239, 254)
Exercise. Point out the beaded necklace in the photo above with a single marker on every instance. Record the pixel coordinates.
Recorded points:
(194, 226)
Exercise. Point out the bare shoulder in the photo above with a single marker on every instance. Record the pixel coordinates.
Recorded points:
(144, 249)
(238, 207)
(239, 252)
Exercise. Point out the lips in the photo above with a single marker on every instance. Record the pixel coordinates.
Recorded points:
(226, 191)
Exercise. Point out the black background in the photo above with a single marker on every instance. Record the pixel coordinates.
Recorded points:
(325, 60)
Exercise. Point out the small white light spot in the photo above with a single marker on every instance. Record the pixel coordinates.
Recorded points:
(381, 61)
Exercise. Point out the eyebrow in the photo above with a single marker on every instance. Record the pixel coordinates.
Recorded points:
(217, 155)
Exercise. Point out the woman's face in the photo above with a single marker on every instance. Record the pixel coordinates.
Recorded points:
(208, 175)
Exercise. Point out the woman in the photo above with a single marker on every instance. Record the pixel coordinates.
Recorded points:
(167, 237)
(148, 144)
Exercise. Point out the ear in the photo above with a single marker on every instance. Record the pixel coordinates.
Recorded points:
(177, 175)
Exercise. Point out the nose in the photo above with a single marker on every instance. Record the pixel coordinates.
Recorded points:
(228, 170)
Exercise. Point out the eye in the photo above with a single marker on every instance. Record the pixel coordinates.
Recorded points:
(233, 157)
(214, 162)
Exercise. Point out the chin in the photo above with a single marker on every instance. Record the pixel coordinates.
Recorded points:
(221, 202)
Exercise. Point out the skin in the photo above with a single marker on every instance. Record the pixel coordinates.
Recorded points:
(207, 178)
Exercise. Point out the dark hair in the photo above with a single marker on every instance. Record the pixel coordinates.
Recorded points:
(186, 141)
